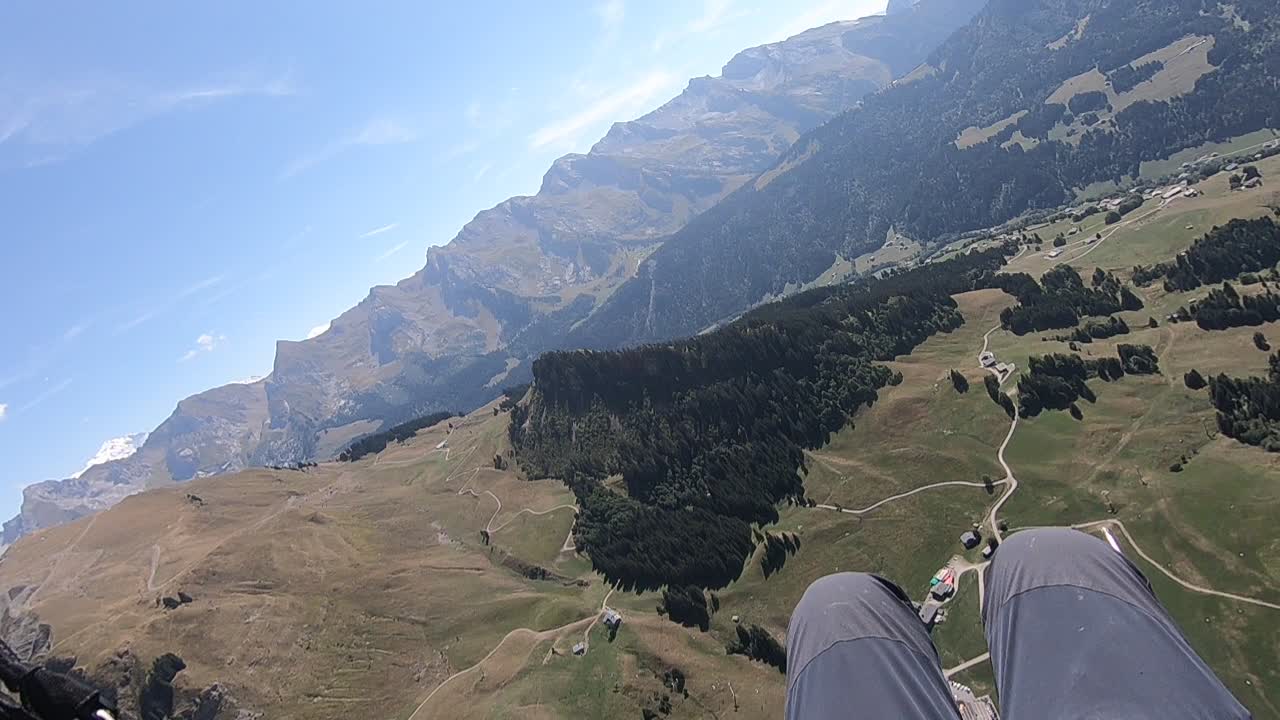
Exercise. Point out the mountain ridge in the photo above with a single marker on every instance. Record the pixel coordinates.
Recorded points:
(520, 275)
(893, 164)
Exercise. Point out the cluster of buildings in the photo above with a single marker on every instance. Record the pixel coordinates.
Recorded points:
(972, 707)
(611, 618)
(988, 361)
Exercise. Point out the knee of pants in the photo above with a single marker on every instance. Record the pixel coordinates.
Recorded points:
(1046, 547)
(836, 600)
(1033, 559)
(1043, 545)
(839, 584)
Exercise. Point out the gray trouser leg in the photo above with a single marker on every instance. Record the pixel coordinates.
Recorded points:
(857, 649)
(1076, 632)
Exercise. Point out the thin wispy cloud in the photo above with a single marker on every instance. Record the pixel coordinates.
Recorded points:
(194, 288)
(481, 172)
(140, 319)
(4, 411)
(392, 251)
(612, 13)
(206, 343)
(75, 331)
(377, 132)
(493, 116)
(318, 330)
(154, 309)
(460, 150)
(715, 14)
(379, 230)
(44, 395)
(626, 100)
(47, 118)
(827, 12)
(219, 296)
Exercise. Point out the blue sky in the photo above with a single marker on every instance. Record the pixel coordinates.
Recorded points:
(185, 183)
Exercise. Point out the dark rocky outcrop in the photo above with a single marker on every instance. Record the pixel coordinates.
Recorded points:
(173, 603)
(123, 678)
(158, 696)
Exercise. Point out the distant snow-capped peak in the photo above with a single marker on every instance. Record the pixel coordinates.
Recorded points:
(115, 449)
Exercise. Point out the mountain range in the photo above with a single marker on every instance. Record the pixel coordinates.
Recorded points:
(1011, 114)
(521, 275)
(392, 583)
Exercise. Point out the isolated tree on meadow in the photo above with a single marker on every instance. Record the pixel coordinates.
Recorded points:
(1194, 380)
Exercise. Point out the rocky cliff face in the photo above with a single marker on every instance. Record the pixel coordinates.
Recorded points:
(210, 433)
(519, 276)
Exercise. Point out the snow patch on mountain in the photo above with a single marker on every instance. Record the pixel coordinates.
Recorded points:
(115, 449)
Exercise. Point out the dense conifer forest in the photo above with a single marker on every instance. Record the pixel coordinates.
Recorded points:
(1060, 299)
(1225, 308)
(1248, 408)
(1057, 382)
(1224, 253)
(708, 434)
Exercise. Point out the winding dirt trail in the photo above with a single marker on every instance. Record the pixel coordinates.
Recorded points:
(537, 636)
(1013, 486)
(489, 527)
(1010, 479)
(1166, 572)
(527, 511)
(57, 564)
(907, 494)
(1112, 232)
(993, 520)
(155, 565)
(444, 448)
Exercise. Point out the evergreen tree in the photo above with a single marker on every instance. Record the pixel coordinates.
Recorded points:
(1194, 380)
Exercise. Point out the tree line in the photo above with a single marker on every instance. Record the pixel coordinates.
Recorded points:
(708, 434)
(687, 605)
(1248, 408)
(1240, 246)
(377, 442)
(1092, 330)
(756, 643)
(1225, 308)
(1058, 381)
(1127, 77)
(1060, 299)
